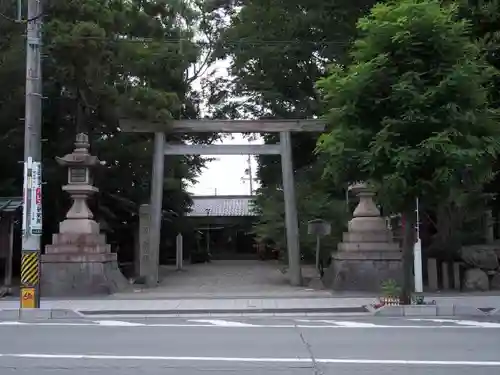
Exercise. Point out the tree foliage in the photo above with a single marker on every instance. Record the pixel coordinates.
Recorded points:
(313, 202)
(278, 50)
(104, 60)
(411, 112)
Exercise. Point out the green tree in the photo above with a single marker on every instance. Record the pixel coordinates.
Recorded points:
(411, 112)
(278, 50)
(313, 202)
(103, 60)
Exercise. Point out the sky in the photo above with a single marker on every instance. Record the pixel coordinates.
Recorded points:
(224, 176)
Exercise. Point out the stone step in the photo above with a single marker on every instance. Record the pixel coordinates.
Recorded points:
(368, 246)
(78, 238)
(77, 249)
(368, 224)
(368, 236)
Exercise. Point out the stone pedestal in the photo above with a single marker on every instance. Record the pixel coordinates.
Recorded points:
(79, 262)
(80, 265)
(367, 255)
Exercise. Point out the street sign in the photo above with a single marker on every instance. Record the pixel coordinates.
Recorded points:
(36, 199)
(28, 298)
(319, 227)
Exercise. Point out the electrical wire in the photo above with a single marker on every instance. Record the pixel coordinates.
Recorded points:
(21, 20)
(175, 41)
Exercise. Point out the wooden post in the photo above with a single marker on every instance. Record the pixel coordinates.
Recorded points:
(456, 276)
(291, 221)
(179, 252)
(156, 206)
(10, 255)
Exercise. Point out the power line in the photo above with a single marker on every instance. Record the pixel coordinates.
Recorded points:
(125, 39)
(235, 42)
(21, 20)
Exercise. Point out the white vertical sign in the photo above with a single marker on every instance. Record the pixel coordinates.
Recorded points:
(25, 197)
(36, 200)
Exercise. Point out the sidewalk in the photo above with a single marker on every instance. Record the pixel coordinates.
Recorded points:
(235, 306)
(204, 306)
(240, 287)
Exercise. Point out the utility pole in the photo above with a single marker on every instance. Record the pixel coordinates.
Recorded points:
(32, 189)
(249, 174)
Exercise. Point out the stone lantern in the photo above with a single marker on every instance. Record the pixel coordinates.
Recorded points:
(368, 254)
(80, 262)
(79, 218)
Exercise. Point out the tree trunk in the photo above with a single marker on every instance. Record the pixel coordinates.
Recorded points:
(408, 244)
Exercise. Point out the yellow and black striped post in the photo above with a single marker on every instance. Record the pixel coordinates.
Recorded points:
(30, 279)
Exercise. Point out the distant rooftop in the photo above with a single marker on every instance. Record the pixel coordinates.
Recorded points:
(221, 205)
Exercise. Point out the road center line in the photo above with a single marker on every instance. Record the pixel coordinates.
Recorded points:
(255, 359)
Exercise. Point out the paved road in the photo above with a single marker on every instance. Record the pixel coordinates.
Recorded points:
(267, 346)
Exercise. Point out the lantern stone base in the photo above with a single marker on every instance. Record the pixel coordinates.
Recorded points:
(363, 270)
(80, 265)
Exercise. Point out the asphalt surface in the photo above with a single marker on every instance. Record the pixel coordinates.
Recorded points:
(267, 346)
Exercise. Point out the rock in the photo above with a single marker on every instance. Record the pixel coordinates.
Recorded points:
(495, 282)
(480, 256)
(476, 279)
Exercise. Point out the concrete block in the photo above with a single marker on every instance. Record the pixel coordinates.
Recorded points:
(65, 314)
(34, 314)
(390, 311)
(445, 310)
(9, 314)
(432, 274)
(464, 310)
(420, 310)
(446, 275)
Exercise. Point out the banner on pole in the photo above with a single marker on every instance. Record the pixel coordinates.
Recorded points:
(36, 199)
(25, 199)
(26, 195)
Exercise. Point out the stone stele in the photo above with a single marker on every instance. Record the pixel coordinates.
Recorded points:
(367, 255)
(80, 262)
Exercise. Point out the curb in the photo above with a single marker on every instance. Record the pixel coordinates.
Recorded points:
(39, 314)
(434, 310)
(276, 311)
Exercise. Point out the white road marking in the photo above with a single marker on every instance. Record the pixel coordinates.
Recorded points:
(358, 325)
(14, 323)
(117, 323)
(231, 324)
(345, 324)
(256, 359)
(222, 323)
(462, 322)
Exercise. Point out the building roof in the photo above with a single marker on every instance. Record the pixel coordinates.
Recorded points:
(10, 204)
(221, 206)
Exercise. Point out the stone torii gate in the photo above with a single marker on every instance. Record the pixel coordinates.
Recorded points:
(284, 148)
